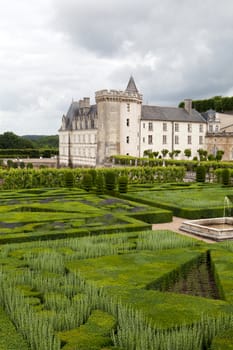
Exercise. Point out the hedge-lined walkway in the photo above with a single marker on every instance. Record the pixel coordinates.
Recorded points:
(174, 225)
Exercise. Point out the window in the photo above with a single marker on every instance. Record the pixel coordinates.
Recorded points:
(127, 122)
(216, 128)
(150, 139)
(201, 127)
(127, 139)
(176, 127)
(164, 126)
(128, 107)
(150, 126)
(189, 127)
(210, 128)
(176, 140)
(201, 140)
(143, 139)
(144, 125)
(164, 139)
(189, 140)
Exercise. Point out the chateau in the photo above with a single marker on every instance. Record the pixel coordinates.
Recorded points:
(120, 124)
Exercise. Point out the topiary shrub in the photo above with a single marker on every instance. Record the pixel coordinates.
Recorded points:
(123, 184)
(69, 179)
(110, 181)
(225, 177)
(99, 183)
(200, 173)
(93, 174)
(87, 182)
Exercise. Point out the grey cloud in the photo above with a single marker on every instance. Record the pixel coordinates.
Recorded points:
(68, 49)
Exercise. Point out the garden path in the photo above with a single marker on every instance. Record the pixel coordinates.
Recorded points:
(174, 226)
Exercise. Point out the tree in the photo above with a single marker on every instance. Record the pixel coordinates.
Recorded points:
(171, 154)
(164, 152)
(188, 152)
(202, 154)
(9, 140)
(155, 154)
(176, 152)
(219, 155)
(148, 153)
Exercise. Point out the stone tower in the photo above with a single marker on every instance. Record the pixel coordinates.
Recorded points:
(119, 114)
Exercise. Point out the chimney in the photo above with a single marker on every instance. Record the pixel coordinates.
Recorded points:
(188, 105)
(86, 102)
(81, 104)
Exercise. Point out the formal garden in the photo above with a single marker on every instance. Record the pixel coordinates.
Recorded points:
(81, 267)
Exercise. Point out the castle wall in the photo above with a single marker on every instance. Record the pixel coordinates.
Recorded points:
(172, 135)
(222, 142)
(64, 148)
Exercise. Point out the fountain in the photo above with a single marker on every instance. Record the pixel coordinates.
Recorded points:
(218, 229)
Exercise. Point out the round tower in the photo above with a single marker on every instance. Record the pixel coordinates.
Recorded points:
(119, 114)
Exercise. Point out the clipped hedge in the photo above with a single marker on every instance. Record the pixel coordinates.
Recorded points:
(29, 178)
(95, 334)
(158, 216)
(187, 213)
(9, 338)
(223, 341)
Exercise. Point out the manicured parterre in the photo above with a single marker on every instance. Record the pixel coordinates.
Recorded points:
(125, 290)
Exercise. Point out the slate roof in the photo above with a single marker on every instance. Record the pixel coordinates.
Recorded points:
(131, 87)
(74, 111)
(170, 114)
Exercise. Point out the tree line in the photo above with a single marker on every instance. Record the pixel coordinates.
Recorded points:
(9, 140)
(217, 103)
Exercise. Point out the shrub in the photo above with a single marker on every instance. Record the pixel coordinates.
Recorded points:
(69, 179)
(123, 184)
(110, 181)
(87, 182)
(100, 184)
(93, 174)
(225, 176)
(29, 166)
(200, 173)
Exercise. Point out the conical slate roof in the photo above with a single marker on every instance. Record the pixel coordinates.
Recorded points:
(131, 87)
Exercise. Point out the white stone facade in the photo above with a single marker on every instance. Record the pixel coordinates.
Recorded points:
(118, 124)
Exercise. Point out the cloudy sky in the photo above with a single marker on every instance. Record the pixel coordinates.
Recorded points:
(53, 51)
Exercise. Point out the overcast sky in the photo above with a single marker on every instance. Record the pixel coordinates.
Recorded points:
(53, 51)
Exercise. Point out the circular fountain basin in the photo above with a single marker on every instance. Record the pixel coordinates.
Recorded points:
(217, 229)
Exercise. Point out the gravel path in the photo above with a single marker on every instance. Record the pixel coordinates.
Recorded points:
(174, 226)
